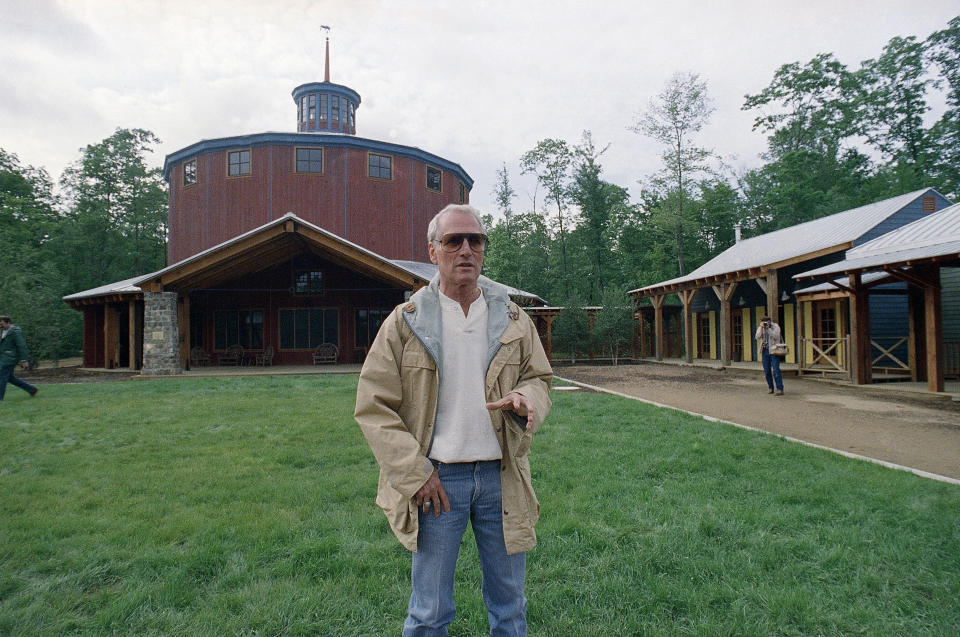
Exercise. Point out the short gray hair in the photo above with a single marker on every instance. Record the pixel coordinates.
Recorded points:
(463, 208)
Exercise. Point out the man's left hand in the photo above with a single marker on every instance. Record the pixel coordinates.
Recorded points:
(517, 403)
(24, 364)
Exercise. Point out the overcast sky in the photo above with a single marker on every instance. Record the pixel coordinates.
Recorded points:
(478, 82)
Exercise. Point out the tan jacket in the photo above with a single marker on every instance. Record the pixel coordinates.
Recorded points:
(397, 404)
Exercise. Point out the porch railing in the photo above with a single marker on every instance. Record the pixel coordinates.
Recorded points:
(887, 361)
(830, 356)
(951, 359)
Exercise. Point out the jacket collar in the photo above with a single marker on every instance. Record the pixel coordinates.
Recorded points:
(422, 313)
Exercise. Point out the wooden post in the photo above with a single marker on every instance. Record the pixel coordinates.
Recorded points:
(549, 318)
(657, 301)
(132, 336)
(111, 337)
(686, 297)
(860, 359)
(916, 344)
(801, 335)
(724, 292)
(183, 330)
(933, 334)
(773, 296)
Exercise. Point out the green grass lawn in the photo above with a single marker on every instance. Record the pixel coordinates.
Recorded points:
(244, 506)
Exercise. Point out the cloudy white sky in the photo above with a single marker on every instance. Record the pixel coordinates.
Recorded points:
(476, 82)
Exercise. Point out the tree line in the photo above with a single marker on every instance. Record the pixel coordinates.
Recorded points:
(106, 223)
(837, 138)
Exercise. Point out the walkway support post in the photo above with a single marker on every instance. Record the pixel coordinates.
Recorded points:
(657, 300)
(686, 297)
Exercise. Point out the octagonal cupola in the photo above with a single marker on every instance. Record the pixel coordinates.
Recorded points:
(324, 107)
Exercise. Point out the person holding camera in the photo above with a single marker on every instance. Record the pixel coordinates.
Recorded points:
(768, 335)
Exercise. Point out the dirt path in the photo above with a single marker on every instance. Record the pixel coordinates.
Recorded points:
(918, 432)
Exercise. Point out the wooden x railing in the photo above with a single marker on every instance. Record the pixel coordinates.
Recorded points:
(886, 354)
(829, 356)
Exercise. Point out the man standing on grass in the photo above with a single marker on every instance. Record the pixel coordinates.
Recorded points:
(452, 390)
(13, 350)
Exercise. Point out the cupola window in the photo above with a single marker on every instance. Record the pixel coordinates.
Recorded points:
(324, 106)
(312, 108)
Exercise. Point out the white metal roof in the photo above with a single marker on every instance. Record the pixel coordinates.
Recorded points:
(799, 240)
(936, 235)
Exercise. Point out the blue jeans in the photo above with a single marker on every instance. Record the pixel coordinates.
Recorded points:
(6, 376)
(771, 369)
(473, 489)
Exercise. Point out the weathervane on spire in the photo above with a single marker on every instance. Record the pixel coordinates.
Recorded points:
(326, 61)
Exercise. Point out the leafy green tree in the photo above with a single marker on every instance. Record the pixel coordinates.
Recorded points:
(893, 105)
(806, 107)
(116, 221)
(31, 284)
(943, 50)
(550, 160)
(571, 329)
(613, 327)
(678, 113)
(598, 201)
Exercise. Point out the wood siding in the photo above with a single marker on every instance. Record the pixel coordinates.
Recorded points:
(389, 217)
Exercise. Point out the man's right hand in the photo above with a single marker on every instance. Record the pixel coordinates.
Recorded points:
(432, 496)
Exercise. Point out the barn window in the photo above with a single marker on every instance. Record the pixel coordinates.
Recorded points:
(238, 327)
(380, 166)
(238, 163)
(309, 160)
(308, 282)
(307, 328)
(190, 172)
(434, 179)
(366, 325)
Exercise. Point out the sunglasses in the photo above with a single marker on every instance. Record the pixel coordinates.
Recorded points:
(452, 242)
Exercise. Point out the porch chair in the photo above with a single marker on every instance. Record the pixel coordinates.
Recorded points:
(325, 353)
(232, 356)
(199, 357)
(266, 358)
